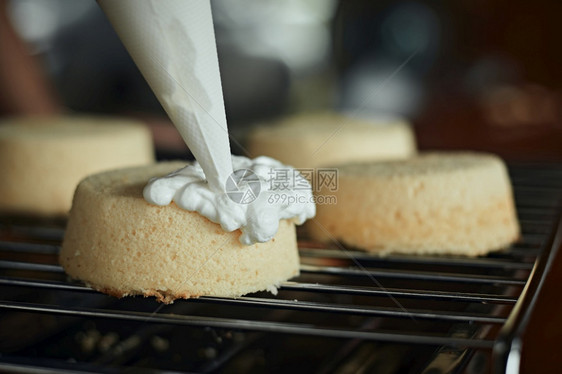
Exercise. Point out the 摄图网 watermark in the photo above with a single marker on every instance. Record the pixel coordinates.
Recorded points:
(243, 186)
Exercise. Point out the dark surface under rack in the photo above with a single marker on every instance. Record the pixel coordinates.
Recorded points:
(347, 311)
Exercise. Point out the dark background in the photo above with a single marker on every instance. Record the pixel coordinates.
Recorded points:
(481, 75)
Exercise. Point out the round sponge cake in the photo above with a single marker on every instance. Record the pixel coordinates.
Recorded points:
(320, 139)
(43, 159)
(442, 203)
(119, 244)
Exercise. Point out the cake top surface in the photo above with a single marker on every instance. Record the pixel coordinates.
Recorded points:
(129, 182)
(325, 123)
(434, 163)
(66, 127)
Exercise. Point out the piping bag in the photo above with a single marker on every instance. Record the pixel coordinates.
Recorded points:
(173, 44)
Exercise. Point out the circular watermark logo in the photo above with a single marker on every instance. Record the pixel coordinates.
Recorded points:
(243, 186)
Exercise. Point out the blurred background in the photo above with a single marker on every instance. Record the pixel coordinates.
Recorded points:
(481, 75)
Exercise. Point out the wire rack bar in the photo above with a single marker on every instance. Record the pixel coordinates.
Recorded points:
(306, 287)
(35, 231)
(29, 248)
(545, 213)
(355, 309)
(252, 325)
(423, 294)
(317, 307)
(30, 266)
(44, 368)
(414, 275)
(329, 270)
(405, 259)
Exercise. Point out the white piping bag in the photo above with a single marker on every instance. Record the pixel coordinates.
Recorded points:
(173, 44)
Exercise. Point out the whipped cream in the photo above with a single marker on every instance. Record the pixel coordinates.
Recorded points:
(260, 193)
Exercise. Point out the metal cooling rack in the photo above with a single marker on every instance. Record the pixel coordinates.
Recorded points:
(348, 310)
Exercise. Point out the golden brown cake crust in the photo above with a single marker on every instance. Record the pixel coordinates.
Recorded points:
(442, 203)
(122, 245)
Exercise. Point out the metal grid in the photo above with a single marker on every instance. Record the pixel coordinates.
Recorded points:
(347, 310)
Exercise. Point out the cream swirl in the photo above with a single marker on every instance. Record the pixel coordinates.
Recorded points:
(260, 193)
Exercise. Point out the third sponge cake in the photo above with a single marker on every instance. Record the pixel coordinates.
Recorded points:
(439, 203)
(319, 139)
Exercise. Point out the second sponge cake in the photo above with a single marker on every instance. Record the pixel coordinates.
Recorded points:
(441, 203)
(43, 158)
(320, 139)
